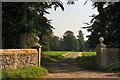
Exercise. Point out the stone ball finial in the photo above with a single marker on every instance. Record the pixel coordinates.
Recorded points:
(101, 39)
(37, 38)
(36, 41)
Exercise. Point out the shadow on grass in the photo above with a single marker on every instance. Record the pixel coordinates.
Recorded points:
(51, 59)
(63, 65)
(87, 63)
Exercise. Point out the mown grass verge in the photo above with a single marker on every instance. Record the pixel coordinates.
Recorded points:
(53, 56)
(88, 62)
(26, 72)
(88, 53)
(55, 53)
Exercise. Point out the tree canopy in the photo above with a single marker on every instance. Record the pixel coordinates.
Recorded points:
(80, 40)
(25, 17)
(70, 41)
(105, 24)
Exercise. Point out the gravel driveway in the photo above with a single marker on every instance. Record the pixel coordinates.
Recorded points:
(68, 68)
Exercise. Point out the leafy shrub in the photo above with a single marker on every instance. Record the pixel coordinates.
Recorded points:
(26, 72)
(114, 68)
(87, 62)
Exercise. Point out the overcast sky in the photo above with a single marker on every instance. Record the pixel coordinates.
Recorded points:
(72, 18)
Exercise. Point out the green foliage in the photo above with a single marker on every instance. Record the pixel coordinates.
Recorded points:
(81, 41)
(87, 46)
(22, 18)
(26, 72)
(55, 43)
(45, 42)
(105, 24)
(87, 62)
(115, 68)
(69, 41)
(25, 17)
(31, 40)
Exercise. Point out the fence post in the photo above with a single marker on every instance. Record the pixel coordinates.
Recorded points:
(101, 53)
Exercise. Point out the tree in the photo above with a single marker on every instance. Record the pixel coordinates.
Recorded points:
(110, 26)
(69, 41)
(55, 43)
(21, 18)
(81, 40)
(87, 46)
(105, 24)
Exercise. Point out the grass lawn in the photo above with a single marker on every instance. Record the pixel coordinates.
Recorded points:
(55, 53)
(88, 53)
(53, 56)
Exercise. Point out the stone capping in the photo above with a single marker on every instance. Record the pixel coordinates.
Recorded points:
(101, 45)
(18, 51)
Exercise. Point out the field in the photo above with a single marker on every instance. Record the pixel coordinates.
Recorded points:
(53, 56)
(88, 53)
(55, 53)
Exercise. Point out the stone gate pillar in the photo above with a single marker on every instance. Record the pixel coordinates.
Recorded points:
(38, 47)
(101, 53)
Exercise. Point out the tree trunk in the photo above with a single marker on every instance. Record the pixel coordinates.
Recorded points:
(22, 40)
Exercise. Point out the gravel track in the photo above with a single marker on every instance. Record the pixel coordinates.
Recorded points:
(68, 68)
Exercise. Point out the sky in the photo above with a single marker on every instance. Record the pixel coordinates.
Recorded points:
(72, 18)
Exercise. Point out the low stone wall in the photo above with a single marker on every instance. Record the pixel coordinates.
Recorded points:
(107, 56)
(15, 58)
(113, 56)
